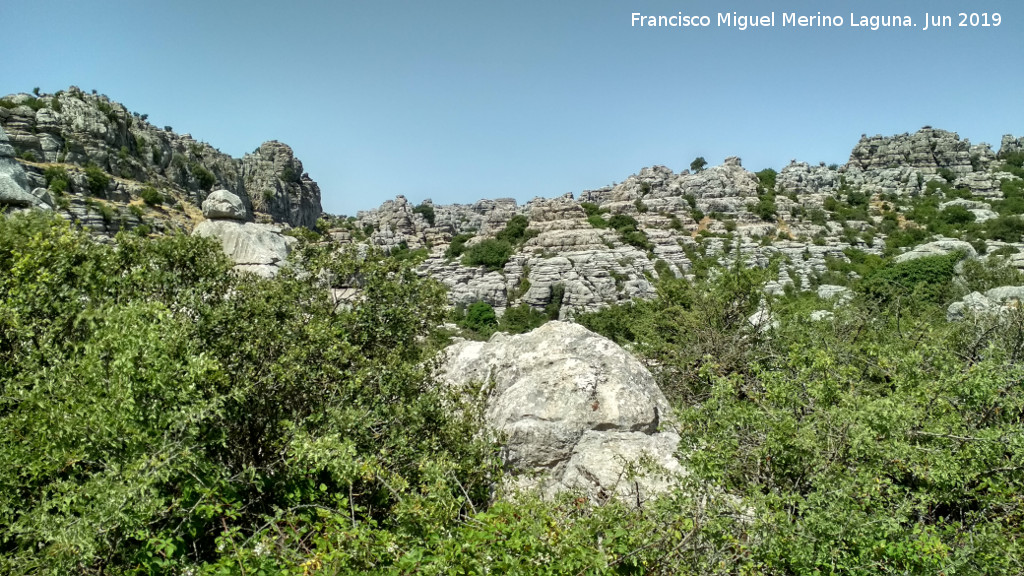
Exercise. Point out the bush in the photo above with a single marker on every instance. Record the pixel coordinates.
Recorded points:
(57, 179)
(177, 413)
(96, 180)
(480, 317)
(490, 253)
(1006, 228)
(767, 178)
(151, 196)
(557, 295)
(927, 279)
(427, 211)
(458, 245)
(203, 176)
(765, 209)
(521, 319)
(516, 231)
(698, 164)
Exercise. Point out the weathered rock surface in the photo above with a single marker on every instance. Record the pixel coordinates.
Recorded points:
(939, 248)
(13, 184)
(257, 248)
(222, 204)
(993, 303)
(576, 408)
(75, 129)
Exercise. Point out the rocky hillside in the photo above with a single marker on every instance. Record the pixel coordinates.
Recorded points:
(609, 245)
(109, 168)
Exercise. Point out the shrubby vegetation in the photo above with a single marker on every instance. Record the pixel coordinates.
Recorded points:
(160, 414)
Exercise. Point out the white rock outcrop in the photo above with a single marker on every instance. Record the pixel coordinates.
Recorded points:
(578, 411)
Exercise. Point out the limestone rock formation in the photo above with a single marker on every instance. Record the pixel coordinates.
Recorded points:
(222, 204)
(258, 248)
(939, 248)
(75, 129)
(13, 184)
(576, 408)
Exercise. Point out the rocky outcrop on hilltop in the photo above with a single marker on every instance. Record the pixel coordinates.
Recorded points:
(610, 245)
(75, 130)
(577, 411)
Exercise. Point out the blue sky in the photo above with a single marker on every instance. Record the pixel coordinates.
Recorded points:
(463, 100)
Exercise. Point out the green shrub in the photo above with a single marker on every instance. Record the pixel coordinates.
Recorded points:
(766, 179)
(698, 164)
(491, 253)
(480, 318)
(947, 175)
(96, 180)
(427, 211)
(151, 196)
(640, 206)
(458, 245)
(521, 319)
(203, 176)
(956, 216)
(1006, 228)
(765, 208)
(927, 279)
(516, 231)
(554, 307)
(57, 179)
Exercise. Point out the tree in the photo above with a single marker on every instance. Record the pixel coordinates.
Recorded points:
(698, 164)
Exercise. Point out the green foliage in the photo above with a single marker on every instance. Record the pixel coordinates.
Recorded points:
(521, 319)
(765, 208)
(766, 178)
(151, 196)
(1006, 228)
(698, 164)
(947, 175)
(629, 231)
(491, 253)
(480, 317)
(160, 414)
(57, 179)
(96, 180)
(203, 176)
(288, 174)
(557, 296)
(690, 328)
(458, 245)
(927, 280)
(427, 211)
(640, 206)
(516, 231)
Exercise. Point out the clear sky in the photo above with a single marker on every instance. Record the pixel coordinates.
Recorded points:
(469, 99)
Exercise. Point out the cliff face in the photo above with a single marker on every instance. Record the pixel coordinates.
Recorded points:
(803, 216)
(76, 129)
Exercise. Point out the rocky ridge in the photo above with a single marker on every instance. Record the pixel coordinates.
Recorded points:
(111, 156)
(803, 216)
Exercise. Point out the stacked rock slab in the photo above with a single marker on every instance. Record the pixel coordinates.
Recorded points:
(577, 410)
(13, 184)
(257, 248)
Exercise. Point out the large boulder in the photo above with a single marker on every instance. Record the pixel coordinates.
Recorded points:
(223, 205)
(940, 247)
(257, 248)
(577, 410)
(13, 184)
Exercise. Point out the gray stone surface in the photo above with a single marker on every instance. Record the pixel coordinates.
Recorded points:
(576, 408)
(222, 204)
(257, 248)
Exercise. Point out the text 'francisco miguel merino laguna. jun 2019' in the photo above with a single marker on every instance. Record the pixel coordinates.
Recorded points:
(927, 21)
